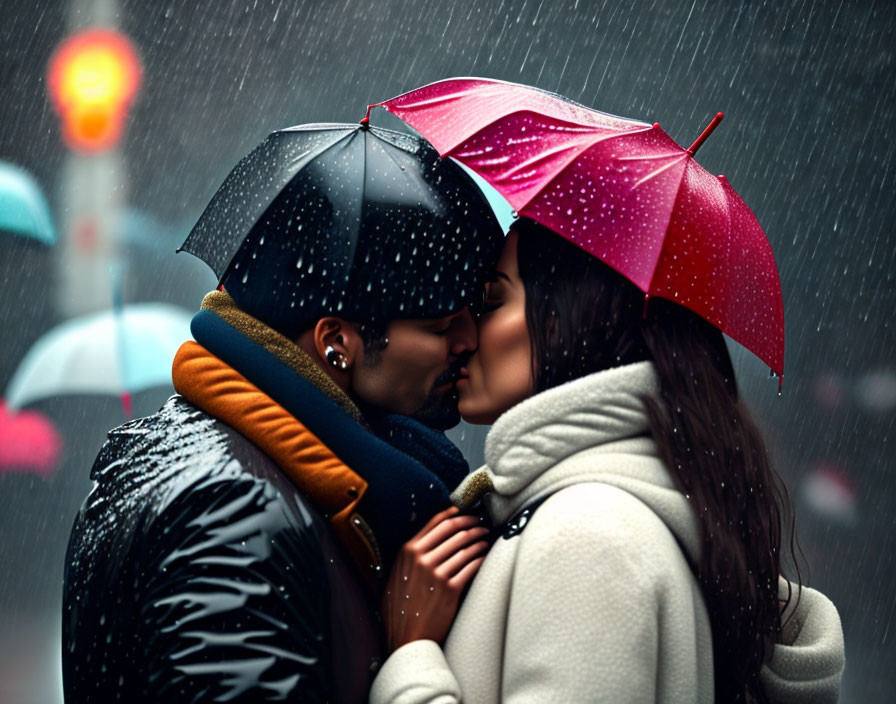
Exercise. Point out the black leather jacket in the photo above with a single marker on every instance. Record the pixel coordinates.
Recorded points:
(197, 571)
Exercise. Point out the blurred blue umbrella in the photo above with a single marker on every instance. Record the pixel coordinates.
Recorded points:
(118, 352)
(23, 208)
(141, 230)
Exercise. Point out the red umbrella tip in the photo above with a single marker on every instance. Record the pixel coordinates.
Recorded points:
(705, 133)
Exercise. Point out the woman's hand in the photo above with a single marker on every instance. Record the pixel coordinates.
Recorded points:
(429, 575)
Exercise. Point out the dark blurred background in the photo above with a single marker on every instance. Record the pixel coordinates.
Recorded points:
(808, 90)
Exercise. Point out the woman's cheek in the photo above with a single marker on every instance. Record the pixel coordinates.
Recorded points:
(507, 354)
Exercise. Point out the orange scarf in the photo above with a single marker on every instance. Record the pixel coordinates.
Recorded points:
(332, 487)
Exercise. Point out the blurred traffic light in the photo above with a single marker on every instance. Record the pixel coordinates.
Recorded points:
(93, 78)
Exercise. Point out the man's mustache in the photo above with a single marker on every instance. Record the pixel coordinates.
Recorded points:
(452, 373)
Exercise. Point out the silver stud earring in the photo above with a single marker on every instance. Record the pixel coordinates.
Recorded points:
(335, 358)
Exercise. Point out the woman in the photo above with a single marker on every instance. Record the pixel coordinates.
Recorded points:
(638, 520)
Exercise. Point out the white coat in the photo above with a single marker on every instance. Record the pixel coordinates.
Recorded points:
(592, 597)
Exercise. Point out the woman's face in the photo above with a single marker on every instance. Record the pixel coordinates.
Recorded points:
(500, 371)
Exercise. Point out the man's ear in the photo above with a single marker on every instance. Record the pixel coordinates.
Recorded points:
(337, 343)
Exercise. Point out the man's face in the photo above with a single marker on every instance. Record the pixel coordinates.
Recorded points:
(416, 372)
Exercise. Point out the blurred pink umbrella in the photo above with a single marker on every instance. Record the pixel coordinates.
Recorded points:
(28, 442)
(828, 492)
(620, 189)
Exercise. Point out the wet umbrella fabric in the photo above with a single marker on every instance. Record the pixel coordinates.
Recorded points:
(28, 442)
(621, 189)
(23, 208)
(117, 352)
(347, 218)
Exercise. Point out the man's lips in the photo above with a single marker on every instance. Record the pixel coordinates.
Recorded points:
(451, 375)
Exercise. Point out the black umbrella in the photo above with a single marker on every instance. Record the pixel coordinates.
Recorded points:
(346, 219)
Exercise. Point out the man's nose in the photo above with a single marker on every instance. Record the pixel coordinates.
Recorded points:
(464, 335)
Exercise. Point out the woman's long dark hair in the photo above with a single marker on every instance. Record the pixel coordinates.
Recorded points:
(584, 317)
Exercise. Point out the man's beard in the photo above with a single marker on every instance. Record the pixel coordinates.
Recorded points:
(439, 411)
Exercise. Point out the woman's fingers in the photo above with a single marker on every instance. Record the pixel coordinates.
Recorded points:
(442, 532)
(435, 520)
(454, 564)
(429, 575)
(443, 551)
(459, 581)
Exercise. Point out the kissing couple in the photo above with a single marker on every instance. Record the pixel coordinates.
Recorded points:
(294, 525)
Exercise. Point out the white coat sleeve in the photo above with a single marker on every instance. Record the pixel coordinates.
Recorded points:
(807, 667)
(416, 673)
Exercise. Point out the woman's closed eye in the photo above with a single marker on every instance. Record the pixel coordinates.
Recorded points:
(491, 304)
(491, 298)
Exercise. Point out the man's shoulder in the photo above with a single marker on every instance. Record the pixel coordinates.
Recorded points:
(179, 465)
(178, 446)
(191, 529)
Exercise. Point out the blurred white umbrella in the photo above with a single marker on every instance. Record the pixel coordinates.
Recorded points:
(23, 208)
(116, 352)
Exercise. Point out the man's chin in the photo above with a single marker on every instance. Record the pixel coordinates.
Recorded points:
(440, 411)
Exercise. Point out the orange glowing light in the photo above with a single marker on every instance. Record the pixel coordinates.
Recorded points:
(93, 79)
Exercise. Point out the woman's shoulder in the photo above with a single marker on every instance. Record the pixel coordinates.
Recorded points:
(598, 506)
(596, 519)
(603, 524)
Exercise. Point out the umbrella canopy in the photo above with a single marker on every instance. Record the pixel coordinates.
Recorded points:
(113, 352)
(348, 218)
(621, 189)
(23, 208)
(28, 442)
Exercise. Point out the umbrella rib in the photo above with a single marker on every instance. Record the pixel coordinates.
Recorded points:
(541, 156)
(657, 172)
(572, 159)
(659, 253)
(458, 94)
(518, 111)
(308, 163)
(654, 157)
(387, 152)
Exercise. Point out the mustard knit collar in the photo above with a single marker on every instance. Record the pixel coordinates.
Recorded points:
(222, 305)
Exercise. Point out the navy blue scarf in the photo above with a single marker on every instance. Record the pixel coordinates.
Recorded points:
(402, 494)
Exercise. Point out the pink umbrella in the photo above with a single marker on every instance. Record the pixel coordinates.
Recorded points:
(621, 189)
(827, 490)
(28, 442)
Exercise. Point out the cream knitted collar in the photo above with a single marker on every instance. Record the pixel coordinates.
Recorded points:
(545, 429)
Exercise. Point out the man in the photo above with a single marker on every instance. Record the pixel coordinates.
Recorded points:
(234, 544)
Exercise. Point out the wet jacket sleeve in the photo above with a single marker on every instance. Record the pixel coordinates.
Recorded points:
(233, 605)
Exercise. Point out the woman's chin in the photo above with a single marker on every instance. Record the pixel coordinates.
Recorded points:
(473, 412)
(478, 419)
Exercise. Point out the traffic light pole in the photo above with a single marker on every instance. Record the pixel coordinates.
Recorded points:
(94, 190)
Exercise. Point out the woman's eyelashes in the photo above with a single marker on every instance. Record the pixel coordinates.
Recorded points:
(490, 296)
(490, 305)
